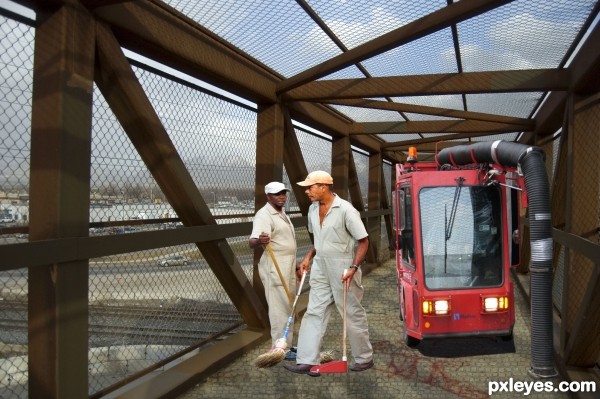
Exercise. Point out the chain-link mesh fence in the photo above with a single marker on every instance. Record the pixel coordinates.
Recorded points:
(585, 208)
(16, 67)
(148, 307)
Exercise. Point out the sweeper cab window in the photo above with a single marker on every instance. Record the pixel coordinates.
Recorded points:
(461, 236)
(406, 240)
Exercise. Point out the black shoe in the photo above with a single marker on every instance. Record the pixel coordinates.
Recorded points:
(362, 366)
(298, 368)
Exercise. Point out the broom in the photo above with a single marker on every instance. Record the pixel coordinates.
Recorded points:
(277, 352)
(340, 366)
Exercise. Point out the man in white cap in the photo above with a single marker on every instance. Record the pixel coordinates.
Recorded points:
(272, 226)
(336, 226)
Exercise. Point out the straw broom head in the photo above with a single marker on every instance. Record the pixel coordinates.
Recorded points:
(326, 357)
(274, 356)
(270, 358)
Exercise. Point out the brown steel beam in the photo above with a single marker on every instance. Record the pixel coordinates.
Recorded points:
(445, 126)
(341, 159)
(385, 191)
(354, 190)
(294, 163)
(62, 250)
(269, 167)
(61, 120)
(123, 92)
(421, 27)
(450, 139)
(426, 110)
(373, 224)
(269, 149)
(536, 80)
(435, 146)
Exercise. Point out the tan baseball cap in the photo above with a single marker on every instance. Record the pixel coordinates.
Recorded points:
(317, 177)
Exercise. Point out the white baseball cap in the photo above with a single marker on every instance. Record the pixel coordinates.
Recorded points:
(275, 187)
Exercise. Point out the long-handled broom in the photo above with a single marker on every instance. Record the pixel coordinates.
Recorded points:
(340, 366)
(277, 352)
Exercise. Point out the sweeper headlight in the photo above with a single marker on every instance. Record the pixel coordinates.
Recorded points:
(494, 304)
(436, 307)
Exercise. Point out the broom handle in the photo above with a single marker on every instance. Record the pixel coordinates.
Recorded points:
(344, 320)
(285, 287)
(291, 318)
(299, 291)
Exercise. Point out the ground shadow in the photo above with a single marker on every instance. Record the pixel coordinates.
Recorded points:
(465, 346)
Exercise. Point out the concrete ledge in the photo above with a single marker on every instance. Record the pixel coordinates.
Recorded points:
(177, 379)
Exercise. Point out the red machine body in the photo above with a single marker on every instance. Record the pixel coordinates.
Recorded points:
(456, 232)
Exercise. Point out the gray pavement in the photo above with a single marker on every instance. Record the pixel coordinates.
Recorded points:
(444, 368)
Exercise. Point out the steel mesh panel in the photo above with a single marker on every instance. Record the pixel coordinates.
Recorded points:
(369, 115)
(166, 299)
(433, 53)
(361, 162)
(494, 137)
(444, 101)
(510, 104)
(147, 306)
(422, 117)
(410, 136)
(16, 68)
(316, 151)
(585, 189)
(355, 23)
(586, 174)
(13, 334)
(16, 74)
(279, 34)
(558, 284)
(121, 186)
(523, 34)
(216, 140)
(555, 153)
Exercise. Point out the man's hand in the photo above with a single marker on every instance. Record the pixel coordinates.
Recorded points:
(264, 238)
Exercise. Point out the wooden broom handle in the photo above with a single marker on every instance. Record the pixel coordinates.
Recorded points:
(285, 287)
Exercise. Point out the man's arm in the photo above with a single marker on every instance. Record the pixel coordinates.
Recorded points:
(304, 265)
(359, 256)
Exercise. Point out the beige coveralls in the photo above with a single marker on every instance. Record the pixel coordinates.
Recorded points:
(283, 242)
(334, 242)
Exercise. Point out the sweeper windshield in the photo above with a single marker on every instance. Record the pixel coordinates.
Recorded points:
(461, 236)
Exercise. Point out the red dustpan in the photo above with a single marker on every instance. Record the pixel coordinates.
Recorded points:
(340, 366)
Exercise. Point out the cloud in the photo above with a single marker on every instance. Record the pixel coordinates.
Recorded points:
(530, 42)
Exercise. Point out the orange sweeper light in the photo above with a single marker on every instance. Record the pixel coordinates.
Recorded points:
(412, 155)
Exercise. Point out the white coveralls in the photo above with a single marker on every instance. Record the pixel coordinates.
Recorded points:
(283, 242)
(334, 243)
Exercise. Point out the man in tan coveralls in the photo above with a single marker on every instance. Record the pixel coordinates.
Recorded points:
(336, 226)
(272, 225)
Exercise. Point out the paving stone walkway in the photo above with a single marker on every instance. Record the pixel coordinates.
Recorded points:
(443, 368)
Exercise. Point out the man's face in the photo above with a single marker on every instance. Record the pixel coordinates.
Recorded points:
(277, 200)
(315, 192)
